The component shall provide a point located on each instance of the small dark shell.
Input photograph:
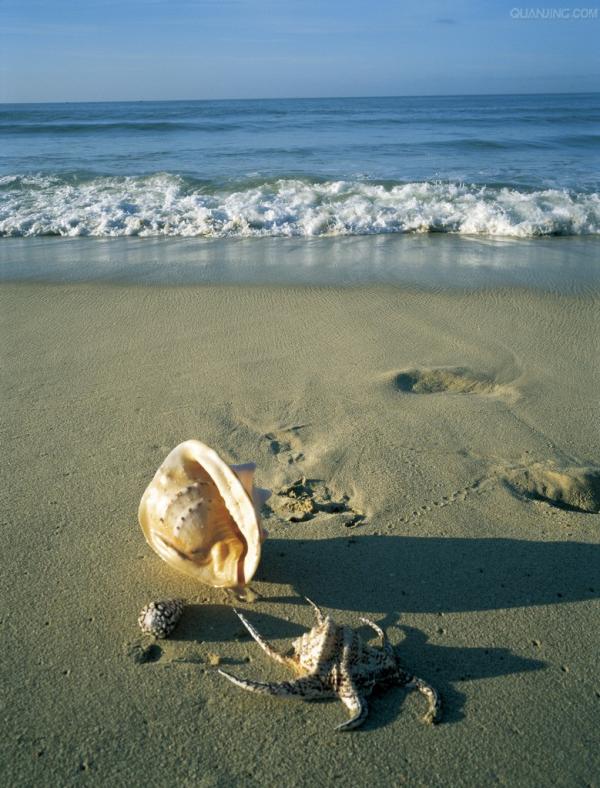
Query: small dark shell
(160, 618)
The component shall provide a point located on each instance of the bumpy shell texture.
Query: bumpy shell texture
(202, 516)
(161, 617)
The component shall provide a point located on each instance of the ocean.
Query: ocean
(488, 167)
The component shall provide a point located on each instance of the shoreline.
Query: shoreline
(432, 261)
(418, 404)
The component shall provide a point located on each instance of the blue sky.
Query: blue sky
(77, 50)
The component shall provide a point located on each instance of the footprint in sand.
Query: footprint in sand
(569, 487)
(450, 380)
(575, 488)
(286, 445)
(307, 498)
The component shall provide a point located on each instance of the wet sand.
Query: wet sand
(459, 428)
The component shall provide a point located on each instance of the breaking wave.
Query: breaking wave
(173, 205)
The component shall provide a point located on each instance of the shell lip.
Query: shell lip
(238, 502)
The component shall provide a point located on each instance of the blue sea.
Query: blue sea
(488, 167)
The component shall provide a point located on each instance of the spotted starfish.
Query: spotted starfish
(333, 660)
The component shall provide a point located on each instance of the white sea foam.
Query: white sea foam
(168, 205)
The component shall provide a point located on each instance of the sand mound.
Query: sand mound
(574, 488)
(452, 380)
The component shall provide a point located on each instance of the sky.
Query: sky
(110, 50)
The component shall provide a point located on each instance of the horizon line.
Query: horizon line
(305, 98)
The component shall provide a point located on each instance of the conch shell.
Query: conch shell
(202, 516)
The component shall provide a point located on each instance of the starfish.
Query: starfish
(333, 660)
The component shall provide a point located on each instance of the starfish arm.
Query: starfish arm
(357, 706)
(385, 643)
(318, 612)
(306, 688)
(435, 703)
(346, 688)
(264, 644)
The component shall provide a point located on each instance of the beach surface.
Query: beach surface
(459, 429)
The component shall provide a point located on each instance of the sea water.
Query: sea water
(489, 167)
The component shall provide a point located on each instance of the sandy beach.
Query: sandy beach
(459, 427)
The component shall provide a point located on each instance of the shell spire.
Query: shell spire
(202, 516)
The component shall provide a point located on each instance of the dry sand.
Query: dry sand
(462, 426)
